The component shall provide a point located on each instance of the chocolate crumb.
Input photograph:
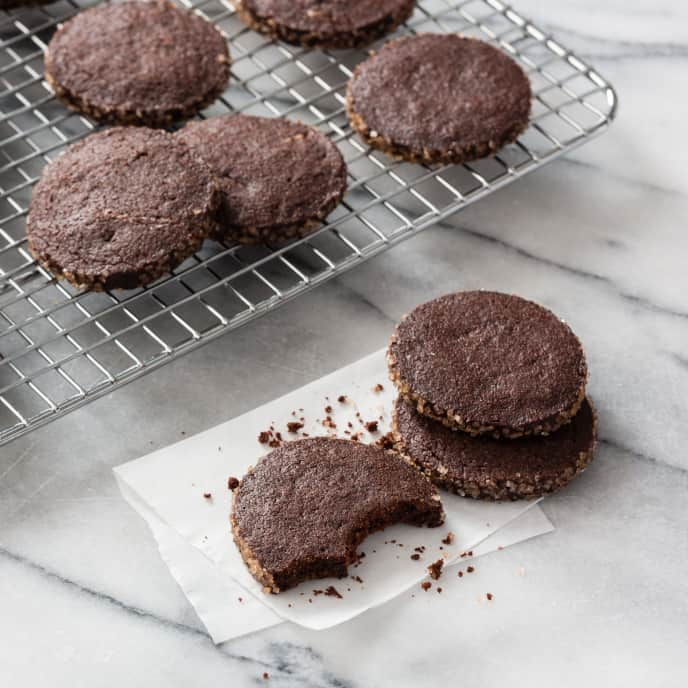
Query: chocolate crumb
(232, 483)
(207, 495)
(386, 441)
(264, 437)
(415, 557)
(426, 585)
(420, 549)
(439, 589)
(435, 569)
(378, 388)
(328, 409)
(294, 426)
(460, 574)
(449, 539)
(489, 595)
(329, 423)
(350, 424)
(305, 434)
(358, 579)
(356, 437)
(371, 426)
(266, 676)
(341, 398)
(469, 569)
(331, 591)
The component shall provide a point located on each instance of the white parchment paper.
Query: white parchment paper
(172, 482)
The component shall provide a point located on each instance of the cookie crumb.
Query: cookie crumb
(329, 423)
(341, 398)
(328, 409)
(386, 441)
(469, 569)
(439, 590)
(294, 426)
(449, 539)
(489, 595)
(378, 388)
(264, 437)
(415, 557)
(232, 483)
(358, 579)
(426, 585)
(371, 426)
(207, 495)
(460, 574)
(435, 569)
(266, 676)
(331, 591)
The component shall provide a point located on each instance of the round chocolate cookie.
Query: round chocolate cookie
(120, 208)
(137, 63)
(279, 179)
(486, 468)
(486, 362)
(438, 98)
(304, 509)
(325, 23)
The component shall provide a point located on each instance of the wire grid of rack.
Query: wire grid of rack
(61, 347)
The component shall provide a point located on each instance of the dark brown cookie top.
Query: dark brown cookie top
(274, 173)
(326, 19)
(119, 204)
(146, 59)
(456, 457)
(441, 94)
(314, 500)
(489, 361)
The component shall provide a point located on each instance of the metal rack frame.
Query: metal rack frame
(62, 348)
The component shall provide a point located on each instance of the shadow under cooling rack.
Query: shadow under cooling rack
(61, 347)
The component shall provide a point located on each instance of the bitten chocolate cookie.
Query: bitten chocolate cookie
(137, 63)
(120, 208)
(279, 179)
(438, 98)
(325, 23)
(485, 362)
(304, 509)
(486, 468)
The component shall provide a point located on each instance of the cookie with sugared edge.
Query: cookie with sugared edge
(302, 511)
(438, 98)
(489, 363)
(120, 208)
(279, 179)
(137, 62)
(487, 468)
(324, 23)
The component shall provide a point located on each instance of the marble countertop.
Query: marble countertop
(600, 237)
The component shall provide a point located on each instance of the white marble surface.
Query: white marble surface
(601, 238)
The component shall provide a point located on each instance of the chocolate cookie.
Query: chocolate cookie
(279, 179)
(438, 98)
(486, 468)
(486, 362)
(120, 208)
(325, 23)
(304, 509)
(137, 63)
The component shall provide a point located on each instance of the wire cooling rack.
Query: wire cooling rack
(61, 347)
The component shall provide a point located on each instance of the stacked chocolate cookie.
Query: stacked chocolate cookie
(491, 396)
